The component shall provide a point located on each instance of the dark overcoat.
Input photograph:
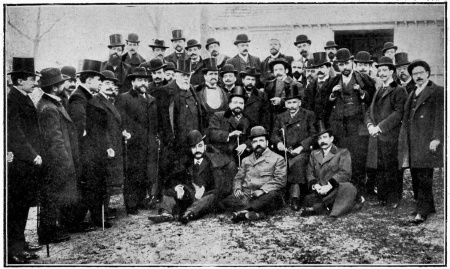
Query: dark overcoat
(316, 99)
(173, 57)
(133, 62)
(121, 73)
(200, 90)
(197, 76)
(257, 108)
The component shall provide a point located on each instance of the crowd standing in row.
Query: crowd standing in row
(191, 136)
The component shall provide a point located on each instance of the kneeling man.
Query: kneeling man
(259, 183)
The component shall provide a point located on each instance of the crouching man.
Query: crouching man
(194, 191)
(328, 173)
(259, 183)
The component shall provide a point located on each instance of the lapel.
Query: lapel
(109, 105)
(63, 112)
(253, 98)
(330, 155)
(288, 80)
(58, 105)
(298, 117)
(17, 96)
(427, 92)
(203, 166)
(231, 120)
(387, 91)
(265, 155)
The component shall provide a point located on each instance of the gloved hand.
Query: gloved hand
(180, 191)
(199, 191)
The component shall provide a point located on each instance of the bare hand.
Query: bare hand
(336, 88)
(37, 160)
(199, 191)
(238, 194)
(275, 101)
(111, 153)
(9, 157)
(126, 134)
(180, 191)
(434, 144)
(280, 146)
(257, 193)
(297, 151)
(235, 133)
(240, 149)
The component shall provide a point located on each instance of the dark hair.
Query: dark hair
(85, 76)
(48, 89)
(231, 97)
(17, 76)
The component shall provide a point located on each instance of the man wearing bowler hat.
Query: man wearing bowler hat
(348, 96)
(178, 43)
(275, 54)
(70, 84)
(363, 64)
(310, 71)
(293, 137)
(156, 68)
(195, 61)
(213, 47)
(194, 190)
(158, 49)
(303, 44)
(115, 63)
(383, 120)
(228, 77)
(61, 165)
(243, 59)
(404, 78)
(169, 73)
(228, 130)
(331, 49)
(389, 50)
(259, 184)
(24, 141)
(132, 57)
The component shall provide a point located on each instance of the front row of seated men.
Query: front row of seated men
(209, 183)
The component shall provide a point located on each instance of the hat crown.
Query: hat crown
(108, 75)
(139, 72)
(25, 65)
(159, 42)
(210, 64)
(69, 71)
(115, 40)
(50, 76)
(279, 61)
(228, 68)
(177, 34)
(302, 39)
(194, 137)
(293, 91)
(156, 63)
(401, 58)
(330, 44)
(183, 66)
(170, 66)
(258, 131)
(237, 91)
(343, 55)
(310, 64)
(385, 61)
(132, 37)
(320, 58)
(90, 65)
(242, 37)
(363, 56)
(191, 42)
(322, 129)
(388, 45)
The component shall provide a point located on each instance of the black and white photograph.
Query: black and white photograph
(225, 134)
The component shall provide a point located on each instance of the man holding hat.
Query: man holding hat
(169, 73)
(259, 184)
(70, 84)
(303, 44)
(421, 137)
(293, 137)
(24, 141)
(213, 47)
(331, 49)
(194, 190)
(115, 63)
(195, 61)
(383, 120)
(61, 166)
(132, 57)
(178, 43)
(243, 59)
(156, 68)
(274, 45)
(328, 173)
(138, 112)
(404, 78)
(228, 77)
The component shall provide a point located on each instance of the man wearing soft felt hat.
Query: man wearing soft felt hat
(195, 61)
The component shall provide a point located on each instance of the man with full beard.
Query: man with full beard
(132, 57)
(298, 72)
(331, 49)
(140, 124)
(266, 73)
(70, 83)
(303, 44)
(404, 78)
(115, 64)
(156, 68)
(178, 43)
(213, 47)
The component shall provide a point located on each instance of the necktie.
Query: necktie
(196, 167)
(321, 83)
(382, 90)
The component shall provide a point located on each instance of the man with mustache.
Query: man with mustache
(243, 59)
(298, 72)
(169, 73)
(194, 190)
(70, 84)
(303, 44)
(297, 124)
(132, 57)
(115, 63)
(156, 68)
(274, 45)
(389, 50)
(331, 49)
(328, 173)
(421, 137)
(348, 96)
(195, 61)
(229, 127)
(213, 47)
(404, 78)
(140, 124)
(158, 49)
(383, 120)
(178, 43)
(228, 77)
(258, 186)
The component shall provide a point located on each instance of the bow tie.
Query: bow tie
(198, 162)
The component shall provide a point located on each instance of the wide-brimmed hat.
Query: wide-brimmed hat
(210, 64)
(363, 57)
(69, 71)
(330, 44)
(310, 64)
(228, 68)
(293, 91)
(183, 66)
(388, 46)
(249, 71)
(194, 137)
(279, 61)
(156, 64)
(115, 40)
(158, 43)
(343, 55)
(138, 72)
(302, 39)
(109, 75)
(51, 76)
(401, 58)
(385, 61)
(91, 66)
(170, 66)
(210, 41)
(132, 37)
(320, 58)
(177, 35)
(238, 91)
(416, 63)
(23, 66)
(193, 43)
(258, 131)
(242, 38)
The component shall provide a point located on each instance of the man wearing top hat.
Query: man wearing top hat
(70, 83)
(348, 96)
(169, 72)
(61, 159)
(114, 162)
(275, 54)
(204, 178)
(389, 50)
(243, 59)
(156, 68)
(195, 61)
(383, 120)
(404, 78)
(298, 72)
(213, 47)
(115, 63)
(138, 112)
(158, 49)
(259, 183)
(132, 57)
(421, 137)
(293, 137)
(228, 77)
(331, 49)
(303, 44)
(24, 141)
(329, 172)
(178, 43)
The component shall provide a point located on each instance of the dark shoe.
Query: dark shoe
(238, 216)
(419, 220)
(132, 211)
(112, 210)
(30, 256)
(151, 202)
(106, 224)
(308, 211)
(30, 247)
(252, 216)
(15, 259)
(58, 237)
(295, 204)
(111, 216)
(187, 216)
(165, 217)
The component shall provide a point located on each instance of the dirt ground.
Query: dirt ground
(372, 235)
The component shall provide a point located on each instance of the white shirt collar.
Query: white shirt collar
(57, 98)
(323, 80)
(245, 58)
(406, 82)
(199, 161)
(274, 57)
(386, 84)
(104, 95)
(293, 115)
(420, 88)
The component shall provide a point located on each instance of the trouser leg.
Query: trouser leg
(203, 206)
(425, 199)
(267, 202)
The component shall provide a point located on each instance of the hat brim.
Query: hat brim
(344, 60)
(407, 63)
(235, 72)
(195, 143)
(183, 72)
(415, 64)
(92, 72)
(334, 46)
(215, 42)
(241, 41)
(155, 46)
(131, 76)
(58, 80)
(393, 47)
(243, 74)
(238, 95)
(320, 64)
(306, 41)
(23, 72)
(118, 45)
(133, 41)
(161, 67)
(115, 80)
(196, 45)
(293, 97)
(384, 64)
(363, 61)
(273, 63)
(176, 39)
(328, 130)
(205, 70)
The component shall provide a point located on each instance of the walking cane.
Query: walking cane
(103, 216)
(284, 142)
(239, 156)
(321, 199)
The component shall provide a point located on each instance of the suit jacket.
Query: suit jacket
(197, 76)
(316, 100)
(174, 58)
(256, 108)
(253, 61)
(122, 71)
(420, 126)
(133, 62)
(266, 74)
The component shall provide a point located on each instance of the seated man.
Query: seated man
(328, 173)
(205, 179)
(259, 183)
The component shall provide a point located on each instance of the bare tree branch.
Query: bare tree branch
(49, 29)
(19, 31)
